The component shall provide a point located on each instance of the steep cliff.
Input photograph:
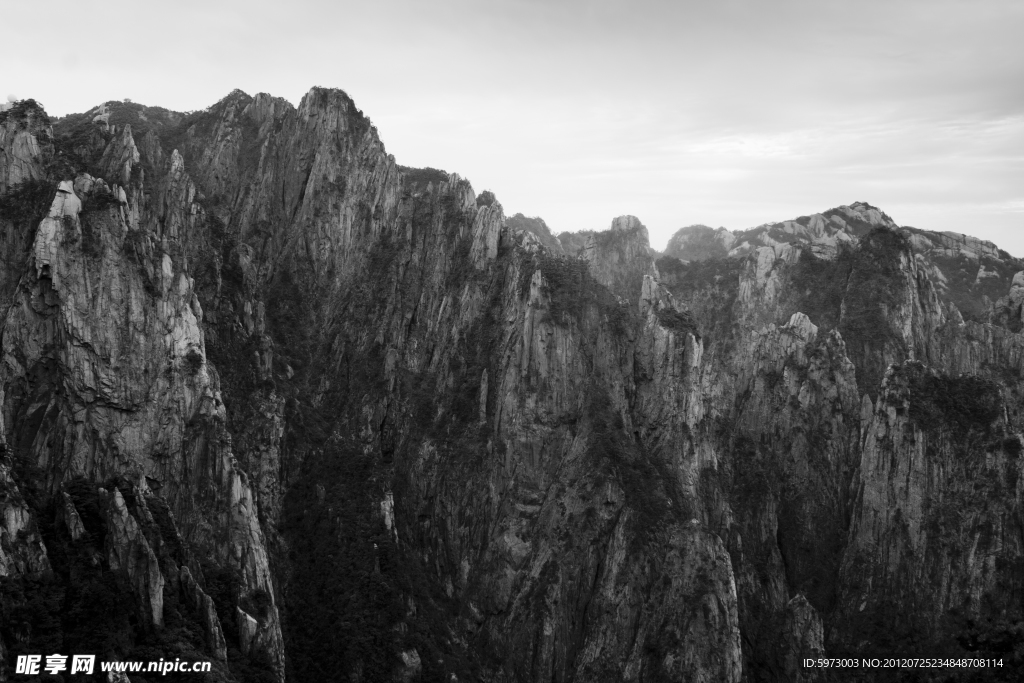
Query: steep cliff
(889, 451)
(110, 408)
(312, 415)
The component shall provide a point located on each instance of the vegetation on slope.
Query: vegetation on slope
(572, 290)
(942, 402)
(27, 204)
(23, 112)
(857, 293)
(708, 289)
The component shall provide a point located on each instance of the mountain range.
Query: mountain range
(271, 400)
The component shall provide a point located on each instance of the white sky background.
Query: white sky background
(717, 112)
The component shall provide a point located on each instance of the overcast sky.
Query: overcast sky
(722, 113)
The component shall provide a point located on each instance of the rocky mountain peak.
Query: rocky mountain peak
(631, 226)
(538, 228)
(620, 257)
(334, 104)
(265, 107)
(700, 242)
(627, 223)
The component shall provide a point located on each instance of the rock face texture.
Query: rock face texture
(310, 415)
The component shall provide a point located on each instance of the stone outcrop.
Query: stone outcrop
(70, 518)
(804, 638)
(25, 192)
(204, 604)
(128, 551)
(21, 549)
(21, 128)
(620, 257)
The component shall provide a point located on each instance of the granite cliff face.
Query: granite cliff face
(312, 415)
(883, 433)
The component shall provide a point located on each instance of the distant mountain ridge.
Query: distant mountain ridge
(973, 274)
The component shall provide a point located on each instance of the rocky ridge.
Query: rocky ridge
(971, 274)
